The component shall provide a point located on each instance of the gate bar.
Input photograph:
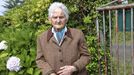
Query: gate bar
(117, 42)
(124, 40)
(98, 39)
(105, 52)
(132, 39)
(116, 7)
(110, 36)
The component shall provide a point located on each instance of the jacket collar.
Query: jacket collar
(50, 34)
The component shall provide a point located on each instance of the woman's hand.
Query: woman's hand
(53, 74)
(66, 70)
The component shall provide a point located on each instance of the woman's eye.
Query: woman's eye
(54, 17)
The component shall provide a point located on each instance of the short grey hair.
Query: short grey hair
(55, 5)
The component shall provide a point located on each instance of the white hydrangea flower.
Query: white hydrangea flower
(3, 45)
(13, 64)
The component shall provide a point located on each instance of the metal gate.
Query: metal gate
(115, 32)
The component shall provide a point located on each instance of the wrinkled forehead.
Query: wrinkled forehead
(58, 11)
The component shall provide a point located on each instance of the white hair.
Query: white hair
(55, 5)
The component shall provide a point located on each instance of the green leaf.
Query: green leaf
(21, 72)
(30, 71)
(87, 19)
(37, 72)
(12, 73)
(28, 61)
(3, 55)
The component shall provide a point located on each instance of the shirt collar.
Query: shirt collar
(64, 29)
(51, 31)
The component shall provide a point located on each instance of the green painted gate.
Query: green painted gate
(115, 32)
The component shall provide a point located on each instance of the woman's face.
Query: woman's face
(58, 19)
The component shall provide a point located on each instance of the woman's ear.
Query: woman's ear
(66, 20)
(49, 19)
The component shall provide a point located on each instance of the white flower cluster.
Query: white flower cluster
(3, 45)
(13, 64)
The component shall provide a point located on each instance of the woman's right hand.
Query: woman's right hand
(53, 74)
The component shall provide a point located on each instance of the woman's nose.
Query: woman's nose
(58, 20)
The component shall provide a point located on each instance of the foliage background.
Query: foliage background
(21, 25)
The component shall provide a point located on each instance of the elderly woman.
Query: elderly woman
(61, 50)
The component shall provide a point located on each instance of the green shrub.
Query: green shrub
(21, 25)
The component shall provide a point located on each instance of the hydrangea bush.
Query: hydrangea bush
(19, 27)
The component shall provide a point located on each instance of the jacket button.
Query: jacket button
(61, 60)
(59, 50)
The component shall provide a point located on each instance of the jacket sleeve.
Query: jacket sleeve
(40, 60)
(84, 54)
